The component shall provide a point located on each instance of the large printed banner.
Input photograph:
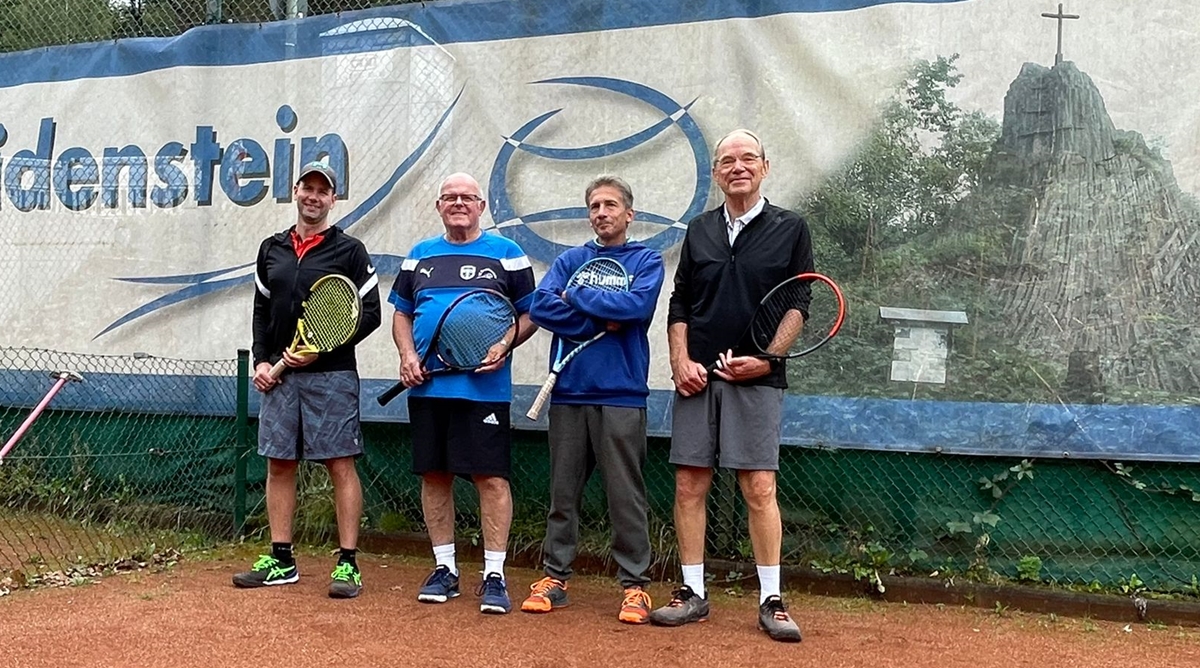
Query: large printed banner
(998, 165)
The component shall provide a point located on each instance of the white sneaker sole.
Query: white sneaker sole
(434, 598)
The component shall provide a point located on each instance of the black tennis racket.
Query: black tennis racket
(796, 318)
(330, 319)
(473, 323)
(599, 273)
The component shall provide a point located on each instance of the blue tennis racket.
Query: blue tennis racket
(600, 273)
(470, 326)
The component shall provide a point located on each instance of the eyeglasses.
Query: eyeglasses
(466, 199)
(729, 161)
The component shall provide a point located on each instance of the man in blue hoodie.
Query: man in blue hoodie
(598, 407)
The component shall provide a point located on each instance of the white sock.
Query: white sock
(693, 576)
(444, 555)
(768, 582)
(493, 562)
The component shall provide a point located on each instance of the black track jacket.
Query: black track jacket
(282, 283)
(718, 287)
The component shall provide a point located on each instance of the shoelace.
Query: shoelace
(636, 598)
(778, 609)
(490, 587)
(265, 561)
(440, 576)
(680, 596)
(543, 586)
(343, 572)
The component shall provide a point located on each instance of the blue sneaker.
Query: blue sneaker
(493, 595)
(441, 586)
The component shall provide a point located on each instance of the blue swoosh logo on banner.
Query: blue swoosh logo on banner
(199, 285)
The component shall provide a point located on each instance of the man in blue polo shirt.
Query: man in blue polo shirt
(460, 421)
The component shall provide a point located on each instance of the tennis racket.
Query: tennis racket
(599, 273)
(797, 317)
(61, 378)
(473, 323)
(330, 318)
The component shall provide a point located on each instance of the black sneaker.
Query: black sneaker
(773, 618)
(267, 572)
(684, 607)
(439, 587)
(347, 581)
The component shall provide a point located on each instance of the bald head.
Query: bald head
(743, 133)
(458, 181)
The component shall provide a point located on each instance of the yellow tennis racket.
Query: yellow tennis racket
(330, 318)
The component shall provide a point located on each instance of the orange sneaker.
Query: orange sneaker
(635, 609)
(545, 595)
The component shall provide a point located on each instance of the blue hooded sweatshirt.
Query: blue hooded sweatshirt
(612, 371)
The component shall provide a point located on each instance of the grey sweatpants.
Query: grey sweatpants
(613, 439)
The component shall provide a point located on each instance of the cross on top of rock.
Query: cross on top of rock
(1060, 17)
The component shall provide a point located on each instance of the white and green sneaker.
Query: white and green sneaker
(347, 581)
(267, 572)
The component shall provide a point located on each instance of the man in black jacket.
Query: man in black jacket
(731, 258)
(311, 411)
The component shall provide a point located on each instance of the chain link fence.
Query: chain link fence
(147, 454)
(135, 460)
(32, 24)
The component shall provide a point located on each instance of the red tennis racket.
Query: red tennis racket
(796, 318)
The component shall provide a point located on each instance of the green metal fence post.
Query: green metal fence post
(242, 449)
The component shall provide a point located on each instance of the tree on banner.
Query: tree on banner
(905, 224)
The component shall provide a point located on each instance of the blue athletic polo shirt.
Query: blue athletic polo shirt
(434, 273)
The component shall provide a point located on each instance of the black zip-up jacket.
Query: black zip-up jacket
(717, 287)
(282, 283)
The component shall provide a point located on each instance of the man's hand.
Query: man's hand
(411, 373)
(263, 382)
(494, 360)
(690, 377)
(740, 368)
(297, 361)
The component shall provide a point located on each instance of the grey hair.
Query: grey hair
(762, 151)
(611, 181)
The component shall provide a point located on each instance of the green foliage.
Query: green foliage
(926, 215)
(909, 223)
(1133, 585)
(1160, 486)
(1029, 569)
(866, 558)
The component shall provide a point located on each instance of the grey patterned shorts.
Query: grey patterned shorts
(311, 416)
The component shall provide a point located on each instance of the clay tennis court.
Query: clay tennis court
(192, 616)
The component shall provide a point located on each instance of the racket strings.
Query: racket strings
(601, 274)
(471, 328)
(781, 322)
(331, 314)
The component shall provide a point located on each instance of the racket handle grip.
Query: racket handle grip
(542, 397)
(392, 392)
(277, 370)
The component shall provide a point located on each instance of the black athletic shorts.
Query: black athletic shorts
(460, 436)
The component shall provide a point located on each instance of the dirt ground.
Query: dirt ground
(191, 615)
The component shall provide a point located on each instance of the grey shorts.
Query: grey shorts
(732, 426)
(311, 416)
